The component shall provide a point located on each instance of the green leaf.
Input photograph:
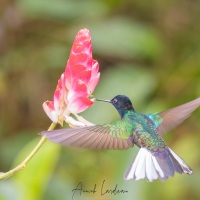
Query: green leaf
(33, 179)
(123, 38)
(62, 10)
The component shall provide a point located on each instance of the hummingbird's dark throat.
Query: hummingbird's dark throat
(128, 107)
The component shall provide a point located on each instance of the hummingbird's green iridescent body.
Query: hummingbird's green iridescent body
(154, 160)
(145, 133)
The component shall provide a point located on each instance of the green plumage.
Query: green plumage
(140, 126)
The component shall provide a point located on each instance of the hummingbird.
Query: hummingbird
(155, 160)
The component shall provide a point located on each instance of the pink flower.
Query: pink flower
(77, 83)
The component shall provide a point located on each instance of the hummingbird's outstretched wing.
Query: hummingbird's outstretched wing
(93, 137)
(169, 119)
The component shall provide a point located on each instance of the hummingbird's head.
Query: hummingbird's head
(121, 103)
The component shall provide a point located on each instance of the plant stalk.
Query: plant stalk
(4, 175)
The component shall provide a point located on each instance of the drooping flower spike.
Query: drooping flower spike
(76, 84)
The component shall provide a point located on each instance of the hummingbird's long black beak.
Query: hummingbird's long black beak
(104, 100)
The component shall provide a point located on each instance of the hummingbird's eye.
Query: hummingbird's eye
(114, 100)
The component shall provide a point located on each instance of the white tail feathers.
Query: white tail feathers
(160, 165)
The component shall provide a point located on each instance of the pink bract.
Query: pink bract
(77, 83)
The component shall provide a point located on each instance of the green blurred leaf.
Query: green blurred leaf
(62, 10)
(33, 179)
(55, 56)
(9, 190)
(124, 38)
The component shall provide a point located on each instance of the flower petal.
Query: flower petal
(78, 72)
(95, 68)
(83, 38)
(93, 83)
(81, 52)
(79, 104)
(49, 109)
(67, 77)
(80, 58)
(59, 94)
(78, 89)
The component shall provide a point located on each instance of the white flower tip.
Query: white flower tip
(93, 99)
(48, 107)
(84, 121)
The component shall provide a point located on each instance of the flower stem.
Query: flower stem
(4, 175)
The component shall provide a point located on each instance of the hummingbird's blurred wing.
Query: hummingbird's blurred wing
(169, 119)
(93, 137)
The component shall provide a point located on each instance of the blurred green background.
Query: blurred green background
(147, 50)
